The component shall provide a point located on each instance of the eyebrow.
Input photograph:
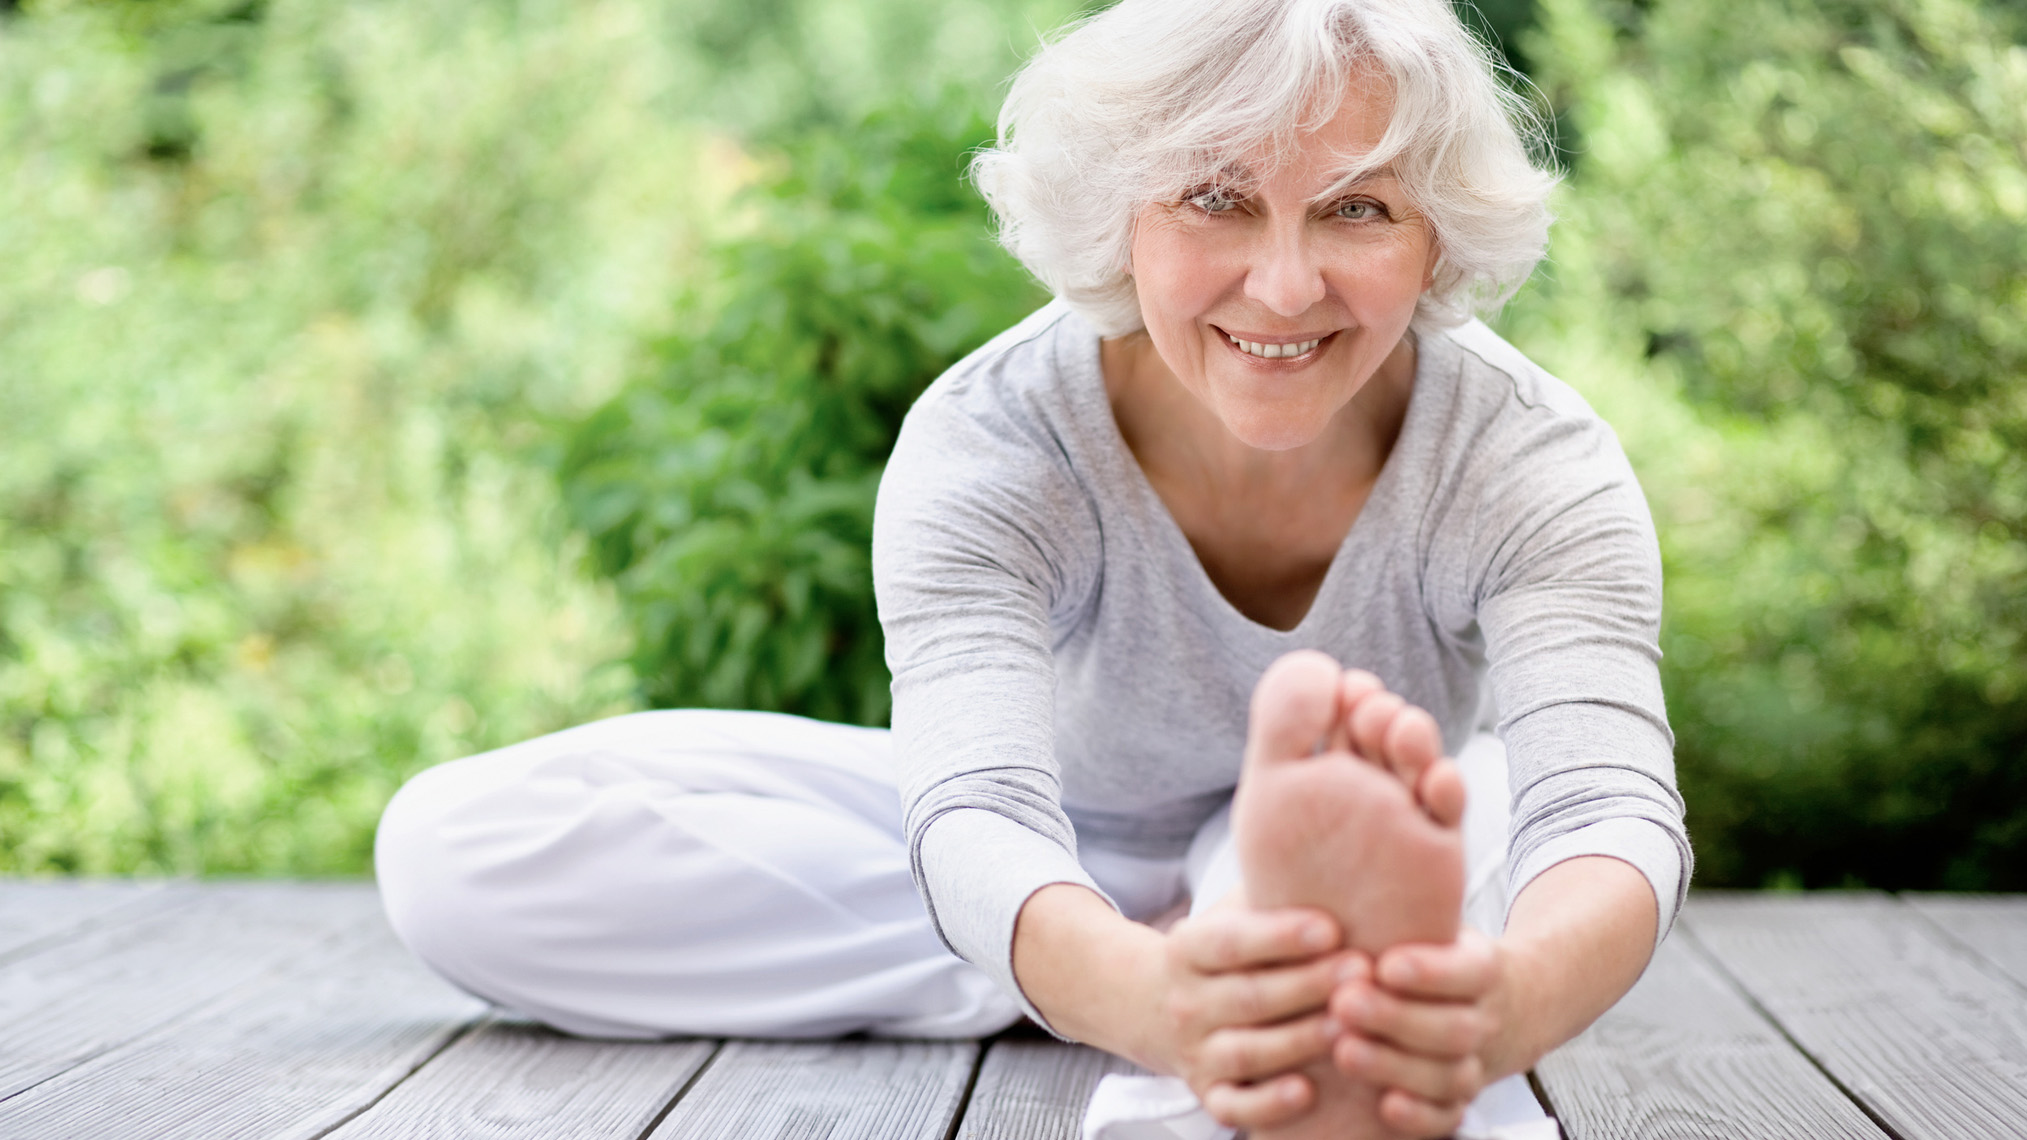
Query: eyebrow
(1347, 181)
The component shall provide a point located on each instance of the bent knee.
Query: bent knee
(423, 878)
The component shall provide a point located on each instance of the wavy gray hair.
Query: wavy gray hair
(1150, 98)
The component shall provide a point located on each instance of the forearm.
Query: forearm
(1094, 973)
(1576, 940)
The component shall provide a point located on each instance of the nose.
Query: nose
(1284, 275)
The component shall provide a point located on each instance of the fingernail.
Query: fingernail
(1358, 1006)
(1315, 936)
(1352, 970)
(1354, 1053)
(1290, 1092)
(1332, 1029)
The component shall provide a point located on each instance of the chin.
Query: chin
(1274, 429)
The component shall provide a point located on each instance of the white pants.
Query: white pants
(736, 874)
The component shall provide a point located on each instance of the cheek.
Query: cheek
(1384, 278)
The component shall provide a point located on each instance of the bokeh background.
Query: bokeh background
(386, 380)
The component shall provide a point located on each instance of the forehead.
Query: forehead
(1337, 142)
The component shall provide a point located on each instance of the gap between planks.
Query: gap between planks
(1931, 1038)
(1684, 1055)
(88, 995)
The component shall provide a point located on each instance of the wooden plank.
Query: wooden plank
(34, 912)
(1995, 926)
(291, 1057)
(829, 1090)
(77, 999)
(1035, 1090)
(1685, 1055)
(514, 1081)
(1930, 1038)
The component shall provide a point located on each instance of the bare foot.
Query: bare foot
(1369, 836)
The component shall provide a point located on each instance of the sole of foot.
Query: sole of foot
(1370, 837)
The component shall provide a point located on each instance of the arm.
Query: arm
(982, 544)
(1549, 552)
(1443, 1021)
(1577, 939)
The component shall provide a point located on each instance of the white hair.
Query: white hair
(1150, 98)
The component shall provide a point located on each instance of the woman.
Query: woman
(1257, 423)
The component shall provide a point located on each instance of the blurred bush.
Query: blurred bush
(291, 294)
(1793, 269)
(307, 304)
(729, 491)
(297, 296)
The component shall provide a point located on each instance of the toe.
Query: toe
(1294, 706)
(1371, 720)
(1442, 793)
(1411, 744)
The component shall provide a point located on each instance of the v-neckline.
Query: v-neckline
(1380, 500)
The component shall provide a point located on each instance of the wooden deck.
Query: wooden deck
(212, 1011)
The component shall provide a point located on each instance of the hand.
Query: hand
(1422, 1029)
(1243, 1008)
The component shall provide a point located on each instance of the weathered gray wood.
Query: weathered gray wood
(1993, 925)
(1035, 1090)
(830, 1090)
(35, 912)
(72, 1001)
(511, 1081)
(1930, 1038)
(293, 1056)
(1685, 1055)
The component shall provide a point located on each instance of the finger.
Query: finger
(1254, 1053)
(1370, 722)
(1429, 1028)
(1265, 996)
(1261, 1105)
(1242, 938)
(1441, 793)
(1436, 1079)
(1463, 970)
(1412, 1116)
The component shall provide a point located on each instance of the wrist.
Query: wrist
(1093, 973)
(1577, 938)
(1515, 1044)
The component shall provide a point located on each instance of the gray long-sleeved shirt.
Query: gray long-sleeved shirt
(1066, 673)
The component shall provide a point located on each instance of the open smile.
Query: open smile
(1276, 348)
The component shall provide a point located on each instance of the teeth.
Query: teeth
(1273, 351)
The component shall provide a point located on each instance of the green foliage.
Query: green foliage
(1804, 224)
(305, 303)
(288, 304)
(298, 294)
(729, 492)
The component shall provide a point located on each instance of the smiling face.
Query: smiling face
(1274, 298)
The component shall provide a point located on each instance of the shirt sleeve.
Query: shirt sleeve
(979, 536)
(1566, 582)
